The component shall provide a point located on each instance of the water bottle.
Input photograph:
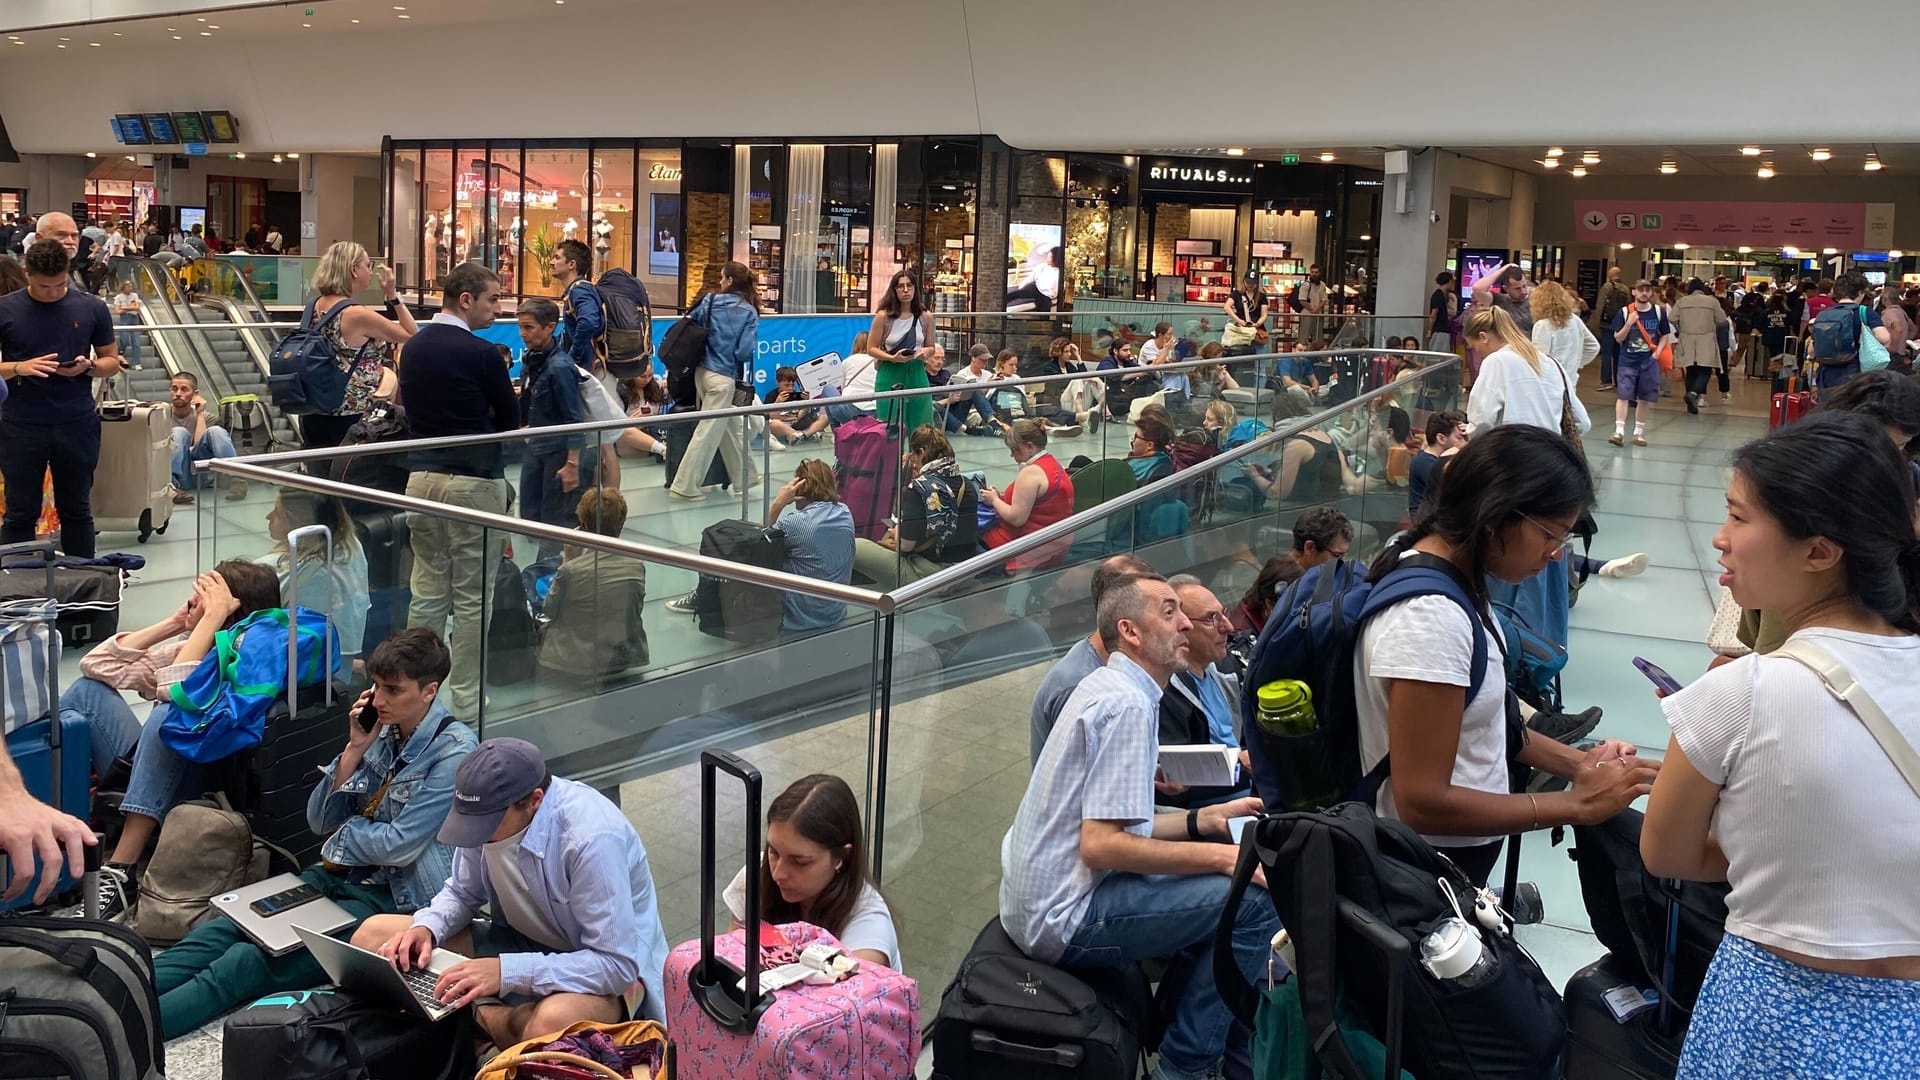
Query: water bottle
(1454, 953)
(1285, 707)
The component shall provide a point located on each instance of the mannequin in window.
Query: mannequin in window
(431, 256)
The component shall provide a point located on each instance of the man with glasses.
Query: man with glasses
(1636, 330)
(1201, 700)
(455, 383)
(1321, 535)
(54, 341)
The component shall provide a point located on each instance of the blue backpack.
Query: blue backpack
(302, 375)
(1313, 635)
(1245, 432)
(221, 709)
(1836, 336)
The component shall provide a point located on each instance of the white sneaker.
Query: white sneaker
(1726, 399)
(1626, 567)
(775, 444)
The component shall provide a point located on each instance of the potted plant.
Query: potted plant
(541, 247)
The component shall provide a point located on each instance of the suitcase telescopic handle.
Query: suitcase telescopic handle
(294, 540)
(713, 982)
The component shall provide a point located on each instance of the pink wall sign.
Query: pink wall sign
(1727, 224)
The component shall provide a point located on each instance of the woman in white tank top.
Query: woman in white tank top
(1777, 786)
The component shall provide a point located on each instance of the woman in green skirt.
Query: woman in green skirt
(899, 341)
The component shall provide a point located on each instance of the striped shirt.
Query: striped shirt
(1098, 765)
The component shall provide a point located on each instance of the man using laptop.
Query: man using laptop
(576, 924)
(380, 805)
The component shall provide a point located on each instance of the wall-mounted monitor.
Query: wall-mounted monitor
(190, 127)
(221, 127)
(132, 129)
(114, 122)
(160, 129)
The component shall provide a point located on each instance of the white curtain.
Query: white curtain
(806, 165)
(742, 199)
(886, 198)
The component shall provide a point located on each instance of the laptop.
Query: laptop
(375, 976)
(276, 933)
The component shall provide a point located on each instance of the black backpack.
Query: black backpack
(512, 636)
(627, 343)
(682, 350)
(1357, 893)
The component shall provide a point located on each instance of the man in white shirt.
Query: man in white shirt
(958, 406)
(1093, 876)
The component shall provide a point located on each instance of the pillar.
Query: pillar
(326, 201)
(1413, 233)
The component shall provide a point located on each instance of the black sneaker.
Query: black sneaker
(116, 893)
(1565, 727)
(1525, 906)
(684, 605)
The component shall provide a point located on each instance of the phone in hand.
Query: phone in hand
(1657, 675)
(368, 717)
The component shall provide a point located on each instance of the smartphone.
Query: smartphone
(368, 718)
(285, 901)
(1657, 675)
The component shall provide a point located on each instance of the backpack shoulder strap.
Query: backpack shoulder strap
(332, 315)
(1421, 574)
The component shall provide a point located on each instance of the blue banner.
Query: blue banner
(785, 340)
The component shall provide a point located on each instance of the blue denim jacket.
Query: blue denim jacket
(583, 322)
(399, 842)
(585, 864)
(552, 396)
(733, 333)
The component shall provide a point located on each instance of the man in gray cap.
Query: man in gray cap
(576, 926)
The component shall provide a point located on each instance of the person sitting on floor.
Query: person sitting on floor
(379, 804)
(796, 424)
(939, 517)
(1093, 876)
(820, 537)
(150, 662)
(1250, 616)
(575, 933)
(1087, 655)
(814, 871)
(331, 583)
(1148, 454)
(196, 439)
(594, 607)
(1201, 704)
(1040, 495)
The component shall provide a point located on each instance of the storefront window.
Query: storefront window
(1035, 281)
(708, 225)
(556, 207)
(1100, 217)
(235, 204)
(612, 228)
(831, 217)
(404, 186)
(436, 244)
(659, 218)
(508, 225)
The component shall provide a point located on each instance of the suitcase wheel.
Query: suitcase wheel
(146, 525)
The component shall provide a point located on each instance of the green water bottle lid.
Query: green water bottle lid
(1284, 694)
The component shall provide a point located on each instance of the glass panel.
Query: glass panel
(1100, 215)
(843, 246)
(659, 211)
(438, 225)
(946, 235)
(613, 210)
(708, 238)
(509, 220)
(556, 207)
(406, 236)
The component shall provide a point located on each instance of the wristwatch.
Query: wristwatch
(1193, 824)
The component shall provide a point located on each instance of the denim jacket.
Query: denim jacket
(551, 396)
(733, 333)
(584, 322)
(400, 842)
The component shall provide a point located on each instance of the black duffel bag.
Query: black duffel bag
(331, 1034)
(1633, 913)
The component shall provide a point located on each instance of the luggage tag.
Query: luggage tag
(1626, 1001)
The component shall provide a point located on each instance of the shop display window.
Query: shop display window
(610, 229)
(556, 205)
(708, 221)
(235, 204)
(507, 224)
(437, 226)
(1035, 232)
(1100, 223)
(829, 244)
(404, 188)
(659, 215)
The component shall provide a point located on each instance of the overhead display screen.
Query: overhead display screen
(132, 129)
(190, 127)
(160, 129)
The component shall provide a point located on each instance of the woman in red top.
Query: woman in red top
(1041, 494)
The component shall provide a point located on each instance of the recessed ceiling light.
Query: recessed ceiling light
(59, 46)
(117, 33)
(1829, 251)
(176, 37)
(293, 155)
(276, 159)
(1236, 151)
(355, 22)
(93, 44)
(66, 39)
(403, 16)
(1872, 164)
(92, 154)
(1366, 236)
(1579, 171)
(19, 42)
(206, 33)
(200, 20)
(1550, 163)
(1750, 151)
(1328, 156)
(170, 29)
(306, 26)
(211, 26)
(399, 7)
(1554, 151)
(1626, 246)
(1589, 158)
(1668, 168)
(1821, 153)
(1745, 250)
(1680, 247)
(1765, 172)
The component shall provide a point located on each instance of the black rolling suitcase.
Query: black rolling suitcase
(383, 536)
(1008, 1017)
(270, 783)
(737, 611)
(677, 437)
(1612, 1034)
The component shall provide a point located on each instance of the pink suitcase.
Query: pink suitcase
(866, 1027)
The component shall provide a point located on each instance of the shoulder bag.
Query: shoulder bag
(1840, 683)
(1873, 355)
(1569, 427)
(1662, 349)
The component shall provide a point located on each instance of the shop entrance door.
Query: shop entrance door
(1193, 242)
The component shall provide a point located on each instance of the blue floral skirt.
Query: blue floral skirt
(1761, 1016)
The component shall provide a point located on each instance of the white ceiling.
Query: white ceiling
(199, 34)
(1787, 159)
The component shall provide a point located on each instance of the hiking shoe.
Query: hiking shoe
(1565, 727)
(682, 606)
(183, 498)
(116, 892)
(1619, 438)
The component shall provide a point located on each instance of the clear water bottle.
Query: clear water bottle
(1454, 953)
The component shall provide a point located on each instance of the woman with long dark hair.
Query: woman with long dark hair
(899, 341)
(1503, 510)
(1779, 786)
(814, 871)
(731, 315)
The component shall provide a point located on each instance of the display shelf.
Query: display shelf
(1209, 279)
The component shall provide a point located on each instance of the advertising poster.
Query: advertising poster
(663, 246)
(1033, 266)
(1476, 263)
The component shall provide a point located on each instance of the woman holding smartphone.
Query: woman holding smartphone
(899, 341)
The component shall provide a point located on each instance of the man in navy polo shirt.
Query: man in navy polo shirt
(54, 341)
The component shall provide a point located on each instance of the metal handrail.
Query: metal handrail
(1013, 549)
(703, 564)
(594, 426)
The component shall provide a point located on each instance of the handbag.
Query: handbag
(1723, 634)
(1662, 349)
(586, 1050)
(1840, 683)
(1569, 427)
(1873, 355)
(1236, 335)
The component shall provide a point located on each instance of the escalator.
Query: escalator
(226, 297)
(164, 353)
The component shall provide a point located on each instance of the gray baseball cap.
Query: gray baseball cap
(499, 773)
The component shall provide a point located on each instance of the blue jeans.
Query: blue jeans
(216, 443)
(110, 719)
(130, 343)
(953, 415)
(160, 775)
(1135, 916)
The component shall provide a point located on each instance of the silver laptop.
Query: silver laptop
(375, 976)
(271, 911)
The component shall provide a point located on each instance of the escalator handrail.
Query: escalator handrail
(167, 292)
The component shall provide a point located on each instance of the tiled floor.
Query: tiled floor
(958, 758)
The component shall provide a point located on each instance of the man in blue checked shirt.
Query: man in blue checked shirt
(576, 925)
(1093, 876)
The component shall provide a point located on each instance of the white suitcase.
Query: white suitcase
(133, 484)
